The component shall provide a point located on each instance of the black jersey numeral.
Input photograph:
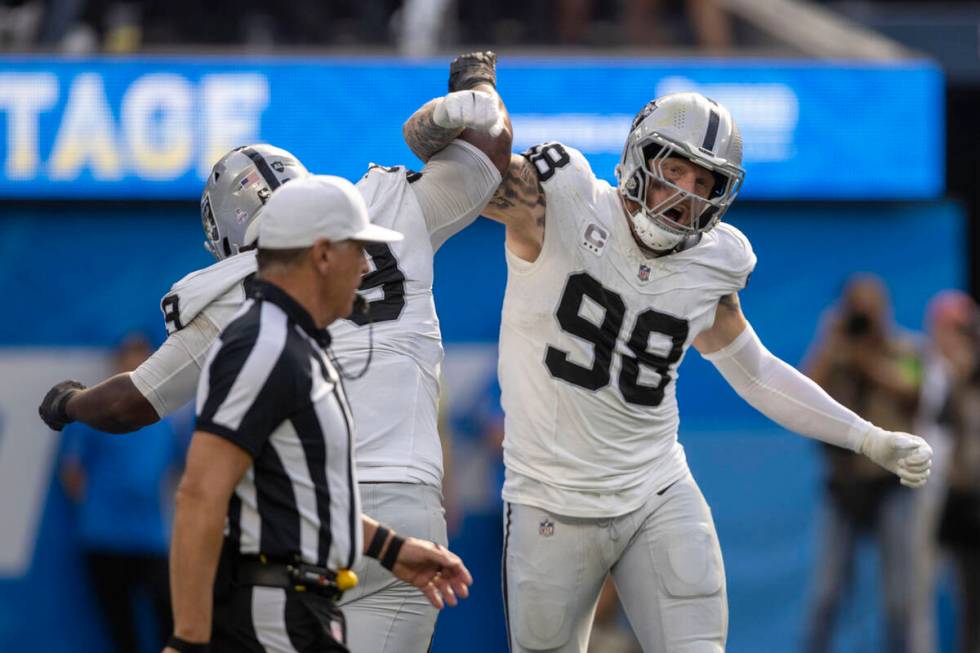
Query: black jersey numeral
(547, 159)
(603, 339)
(170, 305)
(389, 277)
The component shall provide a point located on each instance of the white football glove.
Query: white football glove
(904, 454)
(469, 110)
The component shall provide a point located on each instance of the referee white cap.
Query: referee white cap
(305, 210)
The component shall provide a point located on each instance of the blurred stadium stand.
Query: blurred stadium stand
(861, 155)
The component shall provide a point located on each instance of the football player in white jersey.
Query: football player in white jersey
(607, 288)
(393, 334)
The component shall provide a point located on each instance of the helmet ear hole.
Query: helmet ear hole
(226, 246)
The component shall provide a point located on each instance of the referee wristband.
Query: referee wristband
(184, 646)
(377, 542)
(391, 555)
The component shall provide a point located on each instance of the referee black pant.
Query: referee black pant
(258, 619)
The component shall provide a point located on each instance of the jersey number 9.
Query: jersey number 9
(390, 279)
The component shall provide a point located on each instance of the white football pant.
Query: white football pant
(384, 614)
(664, 559)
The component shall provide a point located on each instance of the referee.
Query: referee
(269, 487)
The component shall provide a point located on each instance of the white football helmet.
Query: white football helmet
(693, 127)
(237, 189)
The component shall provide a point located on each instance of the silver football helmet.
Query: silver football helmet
(692, 127)
(237, 189)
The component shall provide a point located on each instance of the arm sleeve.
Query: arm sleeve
(455, 185)
(786, 396)
(168, 378)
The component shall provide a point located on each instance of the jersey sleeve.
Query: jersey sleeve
(168, 378)
(739, 257)
(245, 392)
(561, 168)
(453, 188)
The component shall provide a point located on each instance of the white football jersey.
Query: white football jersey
(592, 334)
(216, 291)
(395, 403)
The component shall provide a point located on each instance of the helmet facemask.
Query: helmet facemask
(680, 214)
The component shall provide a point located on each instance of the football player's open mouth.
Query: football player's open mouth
(675, 214)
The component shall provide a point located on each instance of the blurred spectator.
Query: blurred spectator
(643, 22)
(119, 483)
(866, 365)
(20, 22)
(950, 414)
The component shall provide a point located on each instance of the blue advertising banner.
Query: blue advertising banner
(150, 128)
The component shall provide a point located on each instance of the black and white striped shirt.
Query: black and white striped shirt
(268, 387)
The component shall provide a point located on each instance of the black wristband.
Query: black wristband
(391, 555)
(377, 542)
(184, 646)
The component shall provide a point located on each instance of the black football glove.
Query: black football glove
(52, 408)
(468, 70)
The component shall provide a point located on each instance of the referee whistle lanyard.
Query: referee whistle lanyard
(360, 304)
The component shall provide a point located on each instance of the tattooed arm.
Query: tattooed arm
(476, 115)
(473, 112)
(519, 203)
(729, 324)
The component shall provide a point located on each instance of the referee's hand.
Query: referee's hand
(435, 570)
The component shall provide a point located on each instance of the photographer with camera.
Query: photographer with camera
(947, 516)
(863, 362)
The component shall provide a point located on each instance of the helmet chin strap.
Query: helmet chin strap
(686, 242)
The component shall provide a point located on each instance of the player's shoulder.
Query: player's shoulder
(196, 291)
(379, 178)
(559, 164)
(727, 253)
(734, 244)
(383, 188)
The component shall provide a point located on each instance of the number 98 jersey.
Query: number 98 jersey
(592, 334)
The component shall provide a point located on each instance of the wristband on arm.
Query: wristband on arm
(391, 555)
(377, 542)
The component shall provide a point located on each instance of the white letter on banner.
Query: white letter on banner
(158, 126)
(233, 106)
(23, 96)
(87, 134)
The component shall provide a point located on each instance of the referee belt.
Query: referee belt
(297, 575)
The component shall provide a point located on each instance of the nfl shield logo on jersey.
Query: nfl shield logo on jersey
(546, 528)
(644, 272)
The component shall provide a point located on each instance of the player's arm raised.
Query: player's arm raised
(519, 203)
(472, 112)
(793, 401)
